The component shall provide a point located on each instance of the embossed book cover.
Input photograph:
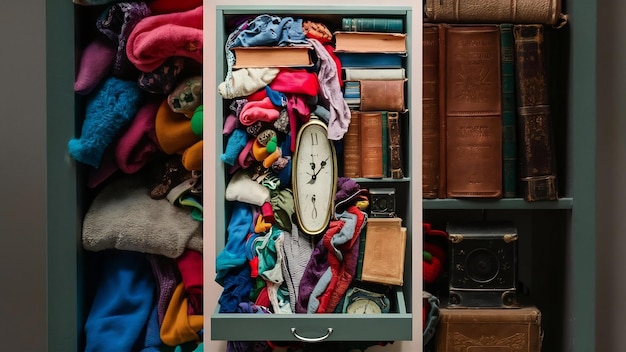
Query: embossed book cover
(510, 330)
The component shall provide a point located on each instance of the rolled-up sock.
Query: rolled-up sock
(236, 142)
(96, 62)
(110, 108)
(156, 38)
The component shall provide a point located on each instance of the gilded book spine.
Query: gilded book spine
(395, 143)
(494, 11)
(537, 164)
(352, 147)
(473, 112)
(371, 144)
(509, 140)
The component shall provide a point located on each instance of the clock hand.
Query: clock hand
(312, 163)
(322, 164)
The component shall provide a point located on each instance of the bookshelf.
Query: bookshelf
(563, 232)
(557, 238)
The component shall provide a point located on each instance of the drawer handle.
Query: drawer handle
(311, 339)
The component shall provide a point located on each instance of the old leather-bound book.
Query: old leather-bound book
(536, 146)
(352, 147)
(494, 11)
(492, 329)
(473, 115)
(395, 144)
(382, 95)
(383, 256)
(371, 133)
(430, 111)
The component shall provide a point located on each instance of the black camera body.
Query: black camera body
(483, 265)
(382, 202)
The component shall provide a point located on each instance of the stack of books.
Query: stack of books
(486, 113)
(372, 52)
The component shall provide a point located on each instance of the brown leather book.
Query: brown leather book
(383, 256)
(371, 133)
(536, 146)
(352, 147)
(382, 95)
(494, 11)
(494, 329)
(473, 112)
(443, 192)
(395, 144)
(430, 111)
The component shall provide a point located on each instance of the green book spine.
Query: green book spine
(388, 25)
(509, 140)
(385, 146)
(359, 263)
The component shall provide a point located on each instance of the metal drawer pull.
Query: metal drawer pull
(312, 339)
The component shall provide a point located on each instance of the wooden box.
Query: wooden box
(489, 330)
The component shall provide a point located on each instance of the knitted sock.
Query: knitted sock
(110, 109)
(156, 38)
(96, 62)
(235, 144)
(192, 157)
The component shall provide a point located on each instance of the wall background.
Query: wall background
(23, 172)
(23, 176)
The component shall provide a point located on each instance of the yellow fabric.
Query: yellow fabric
(179, 327)
(173, 130)
(192, 157)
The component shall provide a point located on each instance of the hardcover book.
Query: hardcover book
(385, 142)
(383, 256)
(371, 127)
(494, 11)
(370, 60)
(355, 74)
(430, 111)
(473, 112)
(537, 164)
(509, 140)
(395, 144)
(489, 329)
(352, 147)
(378, 95)
(371, 24)
(272, 56)
(370, 42)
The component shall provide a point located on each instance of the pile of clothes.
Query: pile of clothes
(140, 116)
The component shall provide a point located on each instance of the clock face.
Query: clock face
(314, 177)
(363, 306)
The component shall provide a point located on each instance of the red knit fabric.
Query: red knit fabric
(168, 6)
(342, 270)
(190, 267)
(296, 81)
(333, 228)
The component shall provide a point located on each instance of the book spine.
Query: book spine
(377, 95)
(391, 25)
(430, 112)
(473, 112)
(369, 60)
(355, 74)
(385, 136)
(443, 193)
(371, 144)
(535, 140)
(395, 151)
(509, 142)
(352, 147)
(359, 263)
(494, 11)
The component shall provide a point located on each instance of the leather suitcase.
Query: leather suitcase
(489, 330)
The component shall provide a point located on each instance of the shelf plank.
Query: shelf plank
(498, 204)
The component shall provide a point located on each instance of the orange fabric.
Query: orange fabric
(178, 327)
(173, 130)
(192, 157)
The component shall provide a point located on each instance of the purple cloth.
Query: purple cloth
(166, 274)
(316, 267)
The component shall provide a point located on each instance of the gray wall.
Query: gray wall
(22, 176)
(611, 190)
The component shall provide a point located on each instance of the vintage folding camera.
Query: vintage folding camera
(382, 202)
(483, 265)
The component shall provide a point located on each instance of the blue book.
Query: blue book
(370, 60)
